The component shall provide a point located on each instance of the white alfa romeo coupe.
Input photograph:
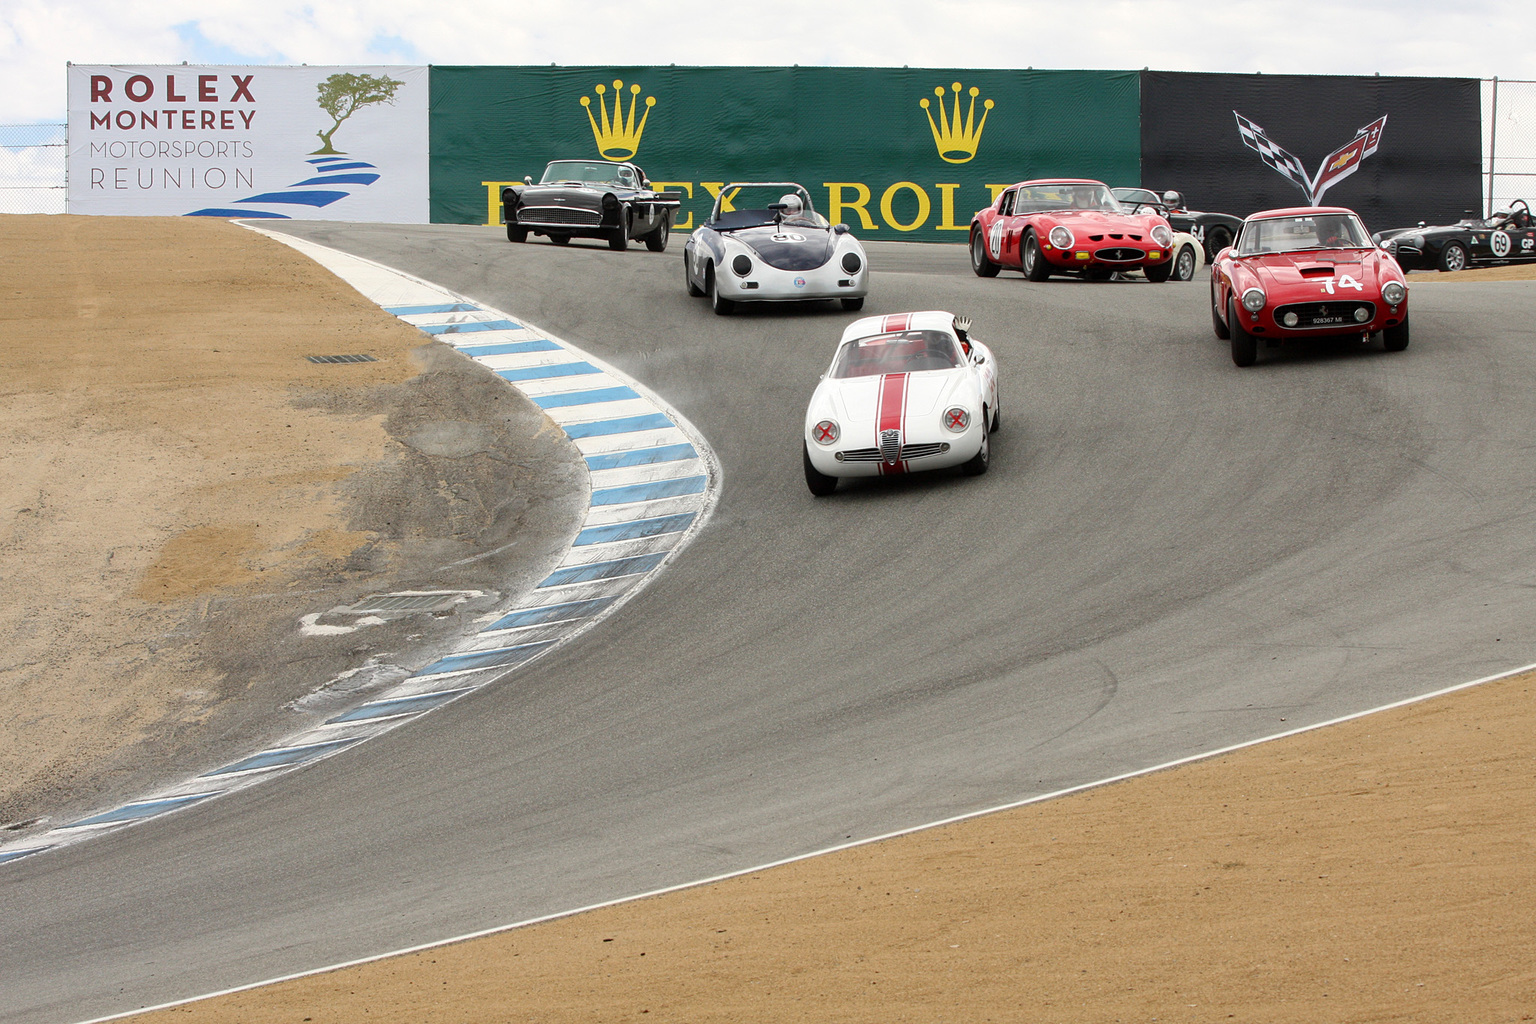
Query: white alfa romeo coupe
(905, 392)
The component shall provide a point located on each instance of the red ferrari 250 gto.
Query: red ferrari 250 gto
(1306, 272)
(1068, 226)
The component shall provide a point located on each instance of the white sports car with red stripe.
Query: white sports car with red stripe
(905, 392)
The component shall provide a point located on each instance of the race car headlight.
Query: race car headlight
(1161, 235)
(742, 264)
(957, 419)
(1393, 293)
(1061, 237)
(826, 432)
(1362, 314)
(1253, 299)
(1413, 241)
(851, 263)
(1290, 319)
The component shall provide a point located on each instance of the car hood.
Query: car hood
(856, 401)
(1291, 270)
(1095, 222)
(791, 247)
(575, 194)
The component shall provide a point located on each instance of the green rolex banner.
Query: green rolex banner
(895, 153)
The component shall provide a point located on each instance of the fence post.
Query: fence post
(1493, 143)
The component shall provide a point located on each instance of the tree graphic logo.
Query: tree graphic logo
(343, 95)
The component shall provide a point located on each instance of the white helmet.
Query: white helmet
(792, 205)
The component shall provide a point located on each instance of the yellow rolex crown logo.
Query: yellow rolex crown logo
(956, 137)
(618, 139)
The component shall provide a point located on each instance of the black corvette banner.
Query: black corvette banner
(1395, 150)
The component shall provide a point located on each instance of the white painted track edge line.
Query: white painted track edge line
(727, 876)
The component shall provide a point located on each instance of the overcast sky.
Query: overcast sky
(1470, 38)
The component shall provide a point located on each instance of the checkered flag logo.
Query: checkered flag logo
(1280, 159)
(1336, 166)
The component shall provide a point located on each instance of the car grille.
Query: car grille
(908, 452)
(890, 445)
(1322, 316)
(556, 215)
(1120, 255)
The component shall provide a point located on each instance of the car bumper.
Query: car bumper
(769, 284)
(853, 460)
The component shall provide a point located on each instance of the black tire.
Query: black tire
(820, 484)
(997, 419)
(1395, 339)
(618, 239)
(981, 263)
(1035, 266)
(516, 234)
(1245, 347)
(1157, 273)
(719, 303)
(560, 239)
(1452, 258)
(1216, 239)
(656, 241)
(694, 291)
(1184, 263)
(1216, 324)
(853, 305)
(1034, 261)
(977, 464)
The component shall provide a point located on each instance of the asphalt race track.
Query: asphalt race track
(1169, 556)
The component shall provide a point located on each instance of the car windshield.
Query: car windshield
(590, 172)
(1047, 196)
(747, 206)
(898, 352)
(1132, 196)
(1295, 234)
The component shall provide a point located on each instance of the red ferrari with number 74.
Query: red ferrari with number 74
(1306, 272)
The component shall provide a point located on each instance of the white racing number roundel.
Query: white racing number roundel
(995, 239)
(1499, 243)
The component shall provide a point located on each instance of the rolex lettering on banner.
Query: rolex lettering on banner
(333, 143)
(897, 153)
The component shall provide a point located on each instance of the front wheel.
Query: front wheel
(719, 303)
(618, 241)
(1035, 267)
(694, 291)
(820, 484)
(1245, 347)
(1157, 273)
(1453, 258)
(977, 464)
(656, 241)
(1216, 325)
(853, 305)
(516, 234)
(1184, 264)
(1395, 339)
(981, 263)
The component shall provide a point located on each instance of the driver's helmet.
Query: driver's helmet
(793, 207)
(1085, 197)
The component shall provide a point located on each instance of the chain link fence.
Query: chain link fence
(32, 155)
(32, 168)
(1509, 142)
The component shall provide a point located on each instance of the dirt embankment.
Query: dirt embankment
(179, 485)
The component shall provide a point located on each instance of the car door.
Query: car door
(997, 233)
(985, 367)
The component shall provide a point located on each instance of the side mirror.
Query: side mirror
(527, 179)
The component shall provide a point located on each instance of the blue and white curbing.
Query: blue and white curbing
(654, 482)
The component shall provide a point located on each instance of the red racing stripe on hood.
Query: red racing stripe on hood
(896, 322)
(891, 413)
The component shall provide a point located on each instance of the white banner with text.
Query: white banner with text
(314, 143)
